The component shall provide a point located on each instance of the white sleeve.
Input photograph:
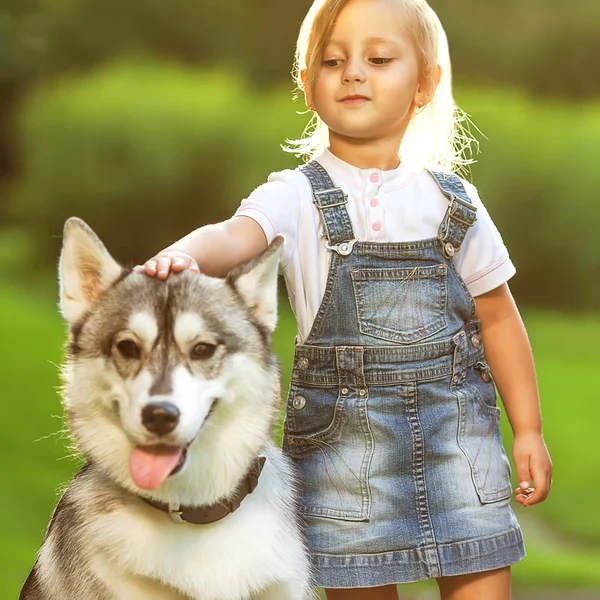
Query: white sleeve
(483, 261)
(275, 206)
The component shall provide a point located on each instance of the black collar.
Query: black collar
(203, 515)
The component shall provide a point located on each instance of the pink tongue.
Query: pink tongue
(150, 469)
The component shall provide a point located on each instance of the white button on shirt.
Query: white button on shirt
(400, 205)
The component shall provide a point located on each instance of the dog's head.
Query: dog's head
(162, 373)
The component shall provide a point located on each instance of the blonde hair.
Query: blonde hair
(436, 137)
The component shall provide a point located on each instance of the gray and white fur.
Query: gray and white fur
(200, 346)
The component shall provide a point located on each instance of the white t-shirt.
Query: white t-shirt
(401, 205)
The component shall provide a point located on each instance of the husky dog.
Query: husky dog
(171, 392)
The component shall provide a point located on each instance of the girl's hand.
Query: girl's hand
(533, 463)
(166, 262)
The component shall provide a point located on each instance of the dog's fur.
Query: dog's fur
(104, 542)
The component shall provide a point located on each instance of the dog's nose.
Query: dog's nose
(160, 417)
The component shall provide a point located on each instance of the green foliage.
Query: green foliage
(144, 154)
(567, 359)
(545, 46)
(536, 177)
(515, 42)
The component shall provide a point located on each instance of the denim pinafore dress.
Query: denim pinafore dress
(391, 419)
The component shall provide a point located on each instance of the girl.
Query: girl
(398, 279)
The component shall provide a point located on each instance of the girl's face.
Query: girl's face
(368, 82)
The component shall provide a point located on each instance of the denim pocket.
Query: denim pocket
(401, 305)
(480, 439)
(313, 415)
(327, 436)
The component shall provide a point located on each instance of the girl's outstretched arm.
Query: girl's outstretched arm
(213, 249)
(509, 355)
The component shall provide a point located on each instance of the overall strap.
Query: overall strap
(461, 213)
(331, 203)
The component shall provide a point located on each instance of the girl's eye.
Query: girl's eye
(379, 60)
(332, 62)
(129, 350)
(203, 351)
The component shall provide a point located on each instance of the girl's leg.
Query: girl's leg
(387, 592)
(491, 585)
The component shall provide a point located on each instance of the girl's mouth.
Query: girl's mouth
(356, 99)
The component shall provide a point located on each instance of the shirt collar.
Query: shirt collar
(344, 173)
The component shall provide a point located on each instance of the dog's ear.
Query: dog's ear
(85, 269)
(256, 282)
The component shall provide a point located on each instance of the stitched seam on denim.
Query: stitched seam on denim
(374, 377)
(450, 229)
(315, 330)
(367, 458)
(461, 436)
(325, 356)
(324, 435)
(465, 289)
(514, 533)
(335, 219)
(418, 464)
(369, 444)
(494, 412)
(397, 248)
(460, 359)
(344, 513)
(513, 536)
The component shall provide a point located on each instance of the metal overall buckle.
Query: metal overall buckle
(316, 198)
(448, 249)
(343, 248)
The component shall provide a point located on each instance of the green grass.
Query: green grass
(567, 355)
(564, 553)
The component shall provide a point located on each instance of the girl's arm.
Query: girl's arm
(213, 249)
(509, 355)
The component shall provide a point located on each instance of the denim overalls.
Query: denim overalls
(391, 421)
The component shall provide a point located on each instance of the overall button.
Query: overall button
(476, 341)
(450, 250)
(362, 392)
(299, 402)
(303, 363)
(344, 391)
(486, 376)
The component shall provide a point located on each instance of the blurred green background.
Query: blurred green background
(149, 118)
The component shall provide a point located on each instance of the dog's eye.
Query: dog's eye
(129, 349)
(203, 351)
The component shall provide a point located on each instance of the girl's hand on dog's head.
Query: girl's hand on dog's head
(168, 261)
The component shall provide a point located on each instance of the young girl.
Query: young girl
(397, 277)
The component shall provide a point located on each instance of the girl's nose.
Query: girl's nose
(353, 73)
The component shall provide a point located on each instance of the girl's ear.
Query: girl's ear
(427, 87)
(307, 91)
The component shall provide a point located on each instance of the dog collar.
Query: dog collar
(203, 515)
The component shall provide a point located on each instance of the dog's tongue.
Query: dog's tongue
(149, 469)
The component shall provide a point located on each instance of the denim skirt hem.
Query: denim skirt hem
(409, 566)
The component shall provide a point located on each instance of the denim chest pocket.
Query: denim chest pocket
(328, 438)
(479, 436)
(401, 305)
